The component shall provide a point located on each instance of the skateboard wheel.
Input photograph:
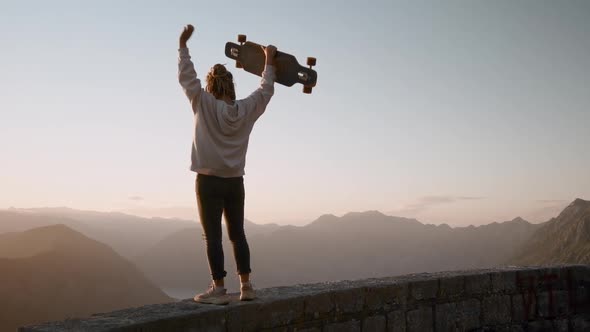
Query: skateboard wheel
(241, 38)
(311, 61)
(307, 89)
(239, 64)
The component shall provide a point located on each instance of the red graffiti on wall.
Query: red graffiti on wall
(530, 285)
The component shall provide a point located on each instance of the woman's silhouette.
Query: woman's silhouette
(222, 130)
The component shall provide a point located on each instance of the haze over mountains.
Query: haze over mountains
(128, 235)
(70, 263)
(356, 245)
(53, 272)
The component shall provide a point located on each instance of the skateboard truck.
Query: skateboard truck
(308, 88)
(235, 52)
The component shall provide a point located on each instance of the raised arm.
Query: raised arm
(260, 98)
(187, 76)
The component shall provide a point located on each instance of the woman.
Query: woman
(222, 130)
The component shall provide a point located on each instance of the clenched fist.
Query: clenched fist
(270, 51)
(186, 34)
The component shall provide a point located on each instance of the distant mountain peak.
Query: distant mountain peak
(561, 240)
(518, 220)
(575, 209)
(55, 228)
(329, 219)
(324, 219)
(578, 202)
(370, 213)
(328, 216)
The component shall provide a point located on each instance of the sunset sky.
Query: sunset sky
(463, 112)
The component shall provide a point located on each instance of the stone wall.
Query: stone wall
(507, 299)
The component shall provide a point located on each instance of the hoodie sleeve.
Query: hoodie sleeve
(187, 77)
(258, 99)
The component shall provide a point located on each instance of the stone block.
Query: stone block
(499, 328)
(423, 289)
(553, 304)
(318, 306)
(539, 326)
(478, 284)
(462, 316)
(524, 307)
(309, 329)
(560, 325)
(420, 320)
(579, 273)
(495, 309)
(451, 287)
(350, 326)
(527, 279)
(504, 282)
(396, 321)
(243, 318)
(386, 297)
(374, 323)
(210, 320)
(580, 323)
(278, 312)
(445, 317)
(582, 299)
(349, 300)
(556, 278)
(469, 313)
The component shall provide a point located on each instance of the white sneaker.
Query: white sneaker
(247, 292)
(213, 295)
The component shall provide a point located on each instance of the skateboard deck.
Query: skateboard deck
(250, 56)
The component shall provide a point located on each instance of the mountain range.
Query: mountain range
(63, 262)
(53, 272)
(356, 245)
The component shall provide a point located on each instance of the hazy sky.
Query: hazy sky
(457, 111)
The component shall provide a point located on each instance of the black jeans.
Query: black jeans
(216, 195)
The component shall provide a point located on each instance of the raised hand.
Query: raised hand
(186, 34)
(270, 51)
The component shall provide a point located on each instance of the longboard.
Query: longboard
(250, 56)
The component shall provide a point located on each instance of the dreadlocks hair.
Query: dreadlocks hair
(220, 82)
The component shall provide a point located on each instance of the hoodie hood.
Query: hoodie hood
(231, 118)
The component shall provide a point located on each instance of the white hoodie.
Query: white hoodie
(222, 131)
